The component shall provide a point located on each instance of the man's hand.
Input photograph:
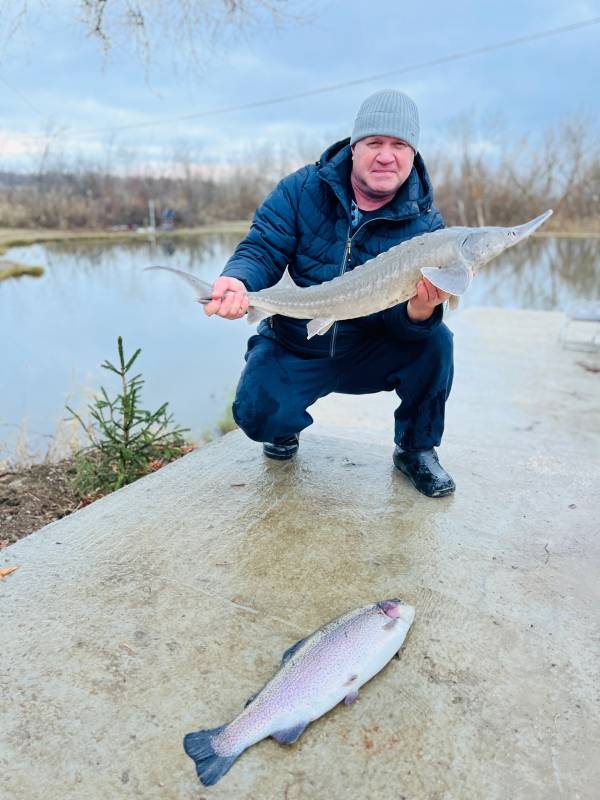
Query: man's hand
(420, 307)
(230, 299)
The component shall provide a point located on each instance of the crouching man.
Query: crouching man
(365, 195)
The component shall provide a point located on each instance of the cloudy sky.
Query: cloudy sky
(55, 78)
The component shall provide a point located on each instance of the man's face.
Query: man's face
(381, 164)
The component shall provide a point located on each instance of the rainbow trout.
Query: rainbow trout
(316, 674)
(448, 258)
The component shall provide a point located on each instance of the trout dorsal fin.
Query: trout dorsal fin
(291, 650)
(454, 279)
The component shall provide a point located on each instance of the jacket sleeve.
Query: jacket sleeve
(396, 320)
(260, 259)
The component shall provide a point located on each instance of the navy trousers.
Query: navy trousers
(277, 386)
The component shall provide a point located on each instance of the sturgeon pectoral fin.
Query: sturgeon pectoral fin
(454, 278)
(291, 650)
(290, 735)
(256, 315)
(318, 326)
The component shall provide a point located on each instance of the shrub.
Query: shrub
(126, 441)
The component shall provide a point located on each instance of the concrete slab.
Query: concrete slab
(161, 608)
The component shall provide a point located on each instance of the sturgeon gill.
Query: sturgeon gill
(448, 258)
(316, 674)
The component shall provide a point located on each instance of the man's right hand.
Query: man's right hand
(230, 299)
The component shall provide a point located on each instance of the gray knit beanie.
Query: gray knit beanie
(388, 113)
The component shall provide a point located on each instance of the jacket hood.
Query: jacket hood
(415, 194)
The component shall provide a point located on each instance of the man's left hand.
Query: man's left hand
(420, 306)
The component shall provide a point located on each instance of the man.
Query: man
(366, 194)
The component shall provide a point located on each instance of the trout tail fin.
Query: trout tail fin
(203, 290)
(209, 765)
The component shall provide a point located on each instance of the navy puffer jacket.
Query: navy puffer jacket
(305, 223)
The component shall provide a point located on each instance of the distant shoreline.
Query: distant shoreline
(15, 237)
(22, 237)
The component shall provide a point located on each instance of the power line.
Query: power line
(332, 87)
(21, 96)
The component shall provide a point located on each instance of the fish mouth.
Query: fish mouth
(396, 609)
(523, 231)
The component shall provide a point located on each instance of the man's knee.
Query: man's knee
(266, 418)
(440, 345)
(254, 410)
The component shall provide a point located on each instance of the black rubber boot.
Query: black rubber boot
(282, 450)
(425, 471)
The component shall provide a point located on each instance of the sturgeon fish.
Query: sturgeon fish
(448, 258)
(316, 674)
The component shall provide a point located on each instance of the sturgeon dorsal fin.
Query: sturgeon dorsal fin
(318, 327)
(286, 281)
(454, 279)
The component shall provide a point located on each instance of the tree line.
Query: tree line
(479, 179)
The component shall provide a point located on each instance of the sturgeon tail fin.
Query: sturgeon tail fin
(202, 289)
(210, 766)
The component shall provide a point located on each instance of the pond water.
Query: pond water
(56, 330)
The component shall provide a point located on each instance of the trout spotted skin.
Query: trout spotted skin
(448, 258)
(316, 674)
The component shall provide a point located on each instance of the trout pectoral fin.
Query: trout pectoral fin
(318, 327)
(256, 315)
(290, 735)
(454, 279)
(351, 697)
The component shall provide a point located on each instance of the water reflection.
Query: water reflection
(57, 330)
(544, 274)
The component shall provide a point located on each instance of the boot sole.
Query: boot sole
(279, 457)
(441, 493)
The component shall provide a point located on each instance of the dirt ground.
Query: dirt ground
(31, 497)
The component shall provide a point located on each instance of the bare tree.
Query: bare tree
(193, 28)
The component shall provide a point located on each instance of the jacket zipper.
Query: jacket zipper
(347, 256)
(347, 250)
